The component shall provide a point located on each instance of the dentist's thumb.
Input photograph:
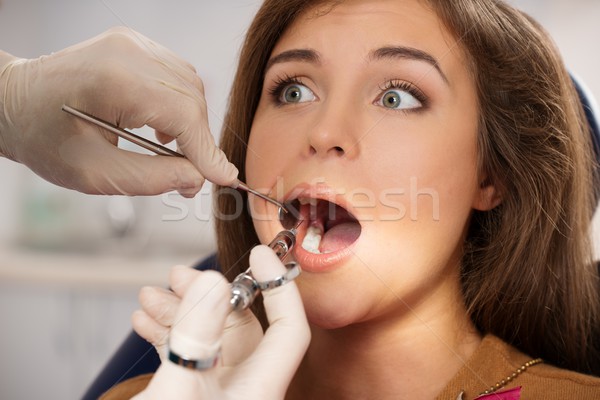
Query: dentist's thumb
(288, 334)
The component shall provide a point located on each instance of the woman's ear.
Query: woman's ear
(488, 196)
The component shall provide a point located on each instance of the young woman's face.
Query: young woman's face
(368, 107)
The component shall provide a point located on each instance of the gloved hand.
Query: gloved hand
(197, 315)
(124, 78)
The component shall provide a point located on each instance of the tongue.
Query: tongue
(339, 237)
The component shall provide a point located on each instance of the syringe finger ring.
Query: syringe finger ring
(245, 288)
(293, 270)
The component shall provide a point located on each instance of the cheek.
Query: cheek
(426, 189)
(267, 159)
(273, 147)
(421, 166)
(260, 159)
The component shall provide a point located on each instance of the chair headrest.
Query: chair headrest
(592, 113)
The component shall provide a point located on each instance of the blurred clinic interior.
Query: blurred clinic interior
(71, 265)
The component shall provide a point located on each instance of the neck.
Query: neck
(409, 356)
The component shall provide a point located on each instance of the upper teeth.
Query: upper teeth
(308, 200)
(312, 239)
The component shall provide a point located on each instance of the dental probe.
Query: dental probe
(245, 288)
(157, 148)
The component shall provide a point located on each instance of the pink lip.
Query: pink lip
(311, 262)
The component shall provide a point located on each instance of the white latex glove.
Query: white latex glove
(252, 366)
(124, 78)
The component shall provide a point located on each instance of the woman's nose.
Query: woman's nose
(333, 133)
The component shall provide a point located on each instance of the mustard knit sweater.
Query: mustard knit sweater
(493, 361)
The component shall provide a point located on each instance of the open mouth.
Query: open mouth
(330, 226)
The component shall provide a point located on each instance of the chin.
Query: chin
(328, 306)
(329, 319)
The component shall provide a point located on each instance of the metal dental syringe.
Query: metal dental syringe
(245, 288)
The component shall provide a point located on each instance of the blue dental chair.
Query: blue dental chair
(137, 357)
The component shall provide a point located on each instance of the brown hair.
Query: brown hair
(527, 271)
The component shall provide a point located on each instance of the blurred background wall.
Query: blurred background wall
(71, 265)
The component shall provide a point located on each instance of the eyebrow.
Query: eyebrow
(402, 52)
(306, 55)
(388, 52)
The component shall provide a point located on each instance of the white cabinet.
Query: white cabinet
(63, 316)
(55, 339)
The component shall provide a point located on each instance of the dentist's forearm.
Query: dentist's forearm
(5, 63)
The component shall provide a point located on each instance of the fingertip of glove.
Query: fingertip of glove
(139, 320)
(137, 316)
(232, 172)
(145, 293)
(181, 276)
(209, 286)
(188, 180)
(222, 172)
(188, 193)
(262, 251)
(265, 264)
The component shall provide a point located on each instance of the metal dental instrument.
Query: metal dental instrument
(245, 288)
(156, 148)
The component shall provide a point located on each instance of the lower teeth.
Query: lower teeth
(312, 240)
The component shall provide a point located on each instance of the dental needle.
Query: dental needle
(157, 148)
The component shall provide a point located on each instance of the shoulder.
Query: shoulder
(128, 388)
(496, 361)
(549, 382)
(542, 380)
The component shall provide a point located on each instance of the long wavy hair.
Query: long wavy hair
(527, 270)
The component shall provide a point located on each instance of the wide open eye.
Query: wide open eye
(399, 99)
(400, 95)
(296, 93)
